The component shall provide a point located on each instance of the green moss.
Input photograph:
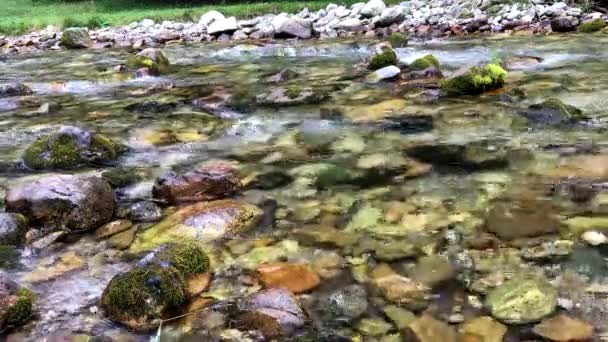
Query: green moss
(9, 257)
(144, 293)
(398, 40)
(188, 258)
(424, 63)
(104, 148)
(559, 109)
(592, 26)
(475, 80)
(20, 312)
(292, 92)
(121, 177)
(333, 175)
(386, 58)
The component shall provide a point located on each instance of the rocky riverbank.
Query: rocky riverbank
(374, 18)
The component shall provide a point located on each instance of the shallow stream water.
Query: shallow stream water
(441, 210)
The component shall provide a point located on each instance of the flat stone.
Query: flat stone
(429, 329)
(112, 228)
(564, 328)
(295, 278)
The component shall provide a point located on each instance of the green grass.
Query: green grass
(19, 16)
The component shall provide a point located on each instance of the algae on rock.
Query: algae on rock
(474, 80)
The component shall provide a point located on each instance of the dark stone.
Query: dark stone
(12, 229)
(14, 89)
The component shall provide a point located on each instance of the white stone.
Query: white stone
(222, 26)
(373, 8)
(147, 23)
(594, 238)
(209, 17)
(385, 73)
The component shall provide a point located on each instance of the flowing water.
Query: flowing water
(443, 210)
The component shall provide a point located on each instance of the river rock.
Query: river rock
(592, 25)
(295, 278)
(208, 182)
(13, 228)
(432, 270)
(374, 327)
(157, 288)
(76, 38)
(400, 290)
(16, 304)
(209, 17)
(382, 55)
(523, 299)
(65, 263)
(484, 329)
(152, 59)
(74, 202)
(113, 228)
(564, 23)
(349, 25)
(390, 16)
(145, 211)
(386, 73)
(428, 329)
(225, 25)
(474, 80)
(294, 27)
(511, 218)
(274, 312)
(474, 155)
(373, 8)
(14, 89)
(564, 328)
(345, 304)
(553, 112)
(203, 221)
(70, 147)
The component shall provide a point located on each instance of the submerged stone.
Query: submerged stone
(345, 304)
(203, 221)
(274, 312)
(295, 278)
(16, 304)
(523, 299)
(424, 62)
(475, 155)
(474, 80)
(553, 112)
(121, 177)
(70, 147)
(387, 73)
(150, 58)
(14, 89)
(74, 202)
(429, 329)
(484, 329)
(564, 328)
(513, 218)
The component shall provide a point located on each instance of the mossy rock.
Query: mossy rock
(398, 40)
(157, 288)
(552, 112)
(9, 257)
(20, 309)
(592, 26)
(121, 177)
(13, 228)
(153, 59)
(425, 63)
(76, 38)
(383, 58)
(69, 148)
(474, 80)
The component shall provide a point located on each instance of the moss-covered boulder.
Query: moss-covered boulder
(382, 56)
(474, 80)
(76, 38)
(553, 112)
(122, 176)
(523, 299)
(70, 147)
(159, 286)
(203, 222)
(16, 304)
(398, 40)
(12, 229)
(151, 58)
(425, 62)
(592, 26)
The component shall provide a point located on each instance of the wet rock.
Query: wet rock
(66, 263)
(295, 278)
(594, 238)
(13, 228)
(523, 299)
(553, 112)
(387, 73)
(223, 25)
(398, 40)
(474, 80)
(425, 62)
(382, 56)
(274, 312)
(76, 203)
(587, 261)
(389, 16)
(16, 304)
(374, 327)
(76, 38)
(322, 235)
(401, 317)
(521, 62)
(476, 155)
(151, 58)
(208, 182)
(550, 250)
(564, 328)
(388, 249)
(513, 218)
(156, 288)
(345, 304)
(432, 270)
(373, 8)
(429, 329)
(145, 211)
(564, 23)
(268, 254)
(122, 240)
(400, 290)
(282, 76)
(113, 228)
(14, 89)
(293, 27)
(121, 177)
(592, 26)
(70, 147)
(203, 221)
(483, 329)
(290, 96)
(271, 180)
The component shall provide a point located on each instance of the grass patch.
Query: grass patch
(19, 16)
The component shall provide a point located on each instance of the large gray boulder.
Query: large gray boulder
(64, 201)
(293, 27)
(227, 25)
(211, 16)
(76, 38)
(373, 8)
(390, 16)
